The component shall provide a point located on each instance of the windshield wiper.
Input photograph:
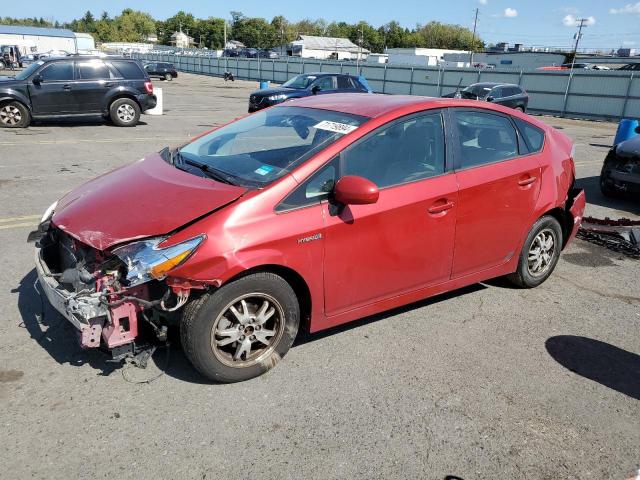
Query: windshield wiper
(180, 162)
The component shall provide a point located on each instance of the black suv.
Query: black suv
(117, 88)
(166, 71)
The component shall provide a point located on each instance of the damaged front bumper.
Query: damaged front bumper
(90, 315)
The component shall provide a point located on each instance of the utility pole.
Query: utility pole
(473, 41)
(578, 36)
(224, 46)
(360, 40)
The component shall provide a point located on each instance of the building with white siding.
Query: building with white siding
(38, 40)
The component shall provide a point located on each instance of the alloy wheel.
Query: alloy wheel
(10, 115)
(541, 253)
(126, 113)
(247, 330)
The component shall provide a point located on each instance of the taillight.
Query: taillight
(148, 86)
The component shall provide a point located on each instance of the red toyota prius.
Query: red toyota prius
(314, 213)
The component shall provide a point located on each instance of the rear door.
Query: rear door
(94, 80)
(54, 95)
(499, 184)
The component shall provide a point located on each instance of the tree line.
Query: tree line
(135, 26)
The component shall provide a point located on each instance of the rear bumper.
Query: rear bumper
(576, 204)
(147, 101)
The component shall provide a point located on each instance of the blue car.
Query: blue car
(305, 85)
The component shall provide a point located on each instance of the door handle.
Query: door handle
(443, 207)
(527, 181)
(66, 87)
(108, 84)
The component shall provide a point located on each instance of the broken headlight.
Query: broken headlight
(48, 213)
(146, 260)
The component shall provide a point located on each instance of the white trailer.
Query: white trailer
(38, 40)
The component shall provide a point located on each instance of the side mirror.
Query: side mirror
(354, 190)
(37, 80)
(490, 99)
(315, 89)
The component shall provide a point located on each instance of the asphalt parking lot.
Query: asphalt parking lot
(486, 382)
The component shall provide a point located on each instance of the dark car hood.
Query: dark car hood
(147, 198)
(290, 92)
(629, 148)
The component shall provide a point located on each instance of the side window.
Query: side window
(345, 83)
(484, 138)
(534, 137)
(128, 69)
(313, 190)
(57, 71)
(410, 150)
(497, 92)
(325, 83)
(95, 70)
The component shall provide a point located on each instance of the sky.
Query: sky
(611, 23)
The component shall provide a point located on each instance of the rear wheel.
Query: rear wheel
(14, 115)
(124, 112)
(243, 329)
(168, 77)
(539, 254)
(521, 108)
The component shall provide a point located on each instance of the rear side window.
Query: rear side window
(345, 83)
(128, 70)
(93, 71)
(484, 138)
(533, 136)
(57, 71)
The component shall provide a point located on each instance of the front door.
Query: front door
(405, 240)
(54, 95)
(499, 188)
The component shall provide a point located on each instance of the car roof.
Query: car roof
(85, 57)
(375, 105)
(493, 84)
(326, 74)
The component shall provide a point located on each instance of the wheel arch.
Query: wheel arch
(13, 97)
(565, 220)
(118, 96)
(293, 278)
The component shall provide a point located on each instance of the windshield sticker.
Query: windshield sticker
(264, 170)
(336, 127)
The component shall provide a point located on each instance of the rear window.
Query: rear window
(128, 70)
(533, 136)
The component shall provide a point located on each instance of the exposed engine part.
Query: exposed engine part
(622, 235)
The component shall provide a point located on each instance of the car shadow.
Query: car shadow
(78, 122)
(601, 362)
(591, 186)
(59, 339)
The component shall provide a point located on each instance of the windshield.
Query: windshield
(262, 147)
(299, 81)
(28, 71)
(479, 91)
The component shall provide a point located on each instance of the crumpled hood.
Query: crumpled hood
(629, 148)
(265, 92)
(143, 199)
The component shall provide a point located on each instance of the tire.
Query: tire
(521, 108)
(221, 357)
(605, 186)
(2, 65)
(168, 77)
(124, 112)
(14, 115)
(526, 275)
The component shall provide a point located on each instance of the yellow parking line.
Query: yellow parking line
(108, 140)
(17, 225)
(23, 217)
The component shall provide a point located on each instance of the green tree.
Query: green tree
(134, 26)
(183, 20)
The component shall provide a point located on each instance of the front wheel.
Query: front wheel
(124, 112)
(243, 329)
(14, 115)
(539, 254)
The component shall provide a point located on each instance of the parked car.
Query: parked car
(305, 85)
(507, 94)
(10, 54)
(116, 88)
(621, 169)
(166, 71)
(309, 214)
(631, 66)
